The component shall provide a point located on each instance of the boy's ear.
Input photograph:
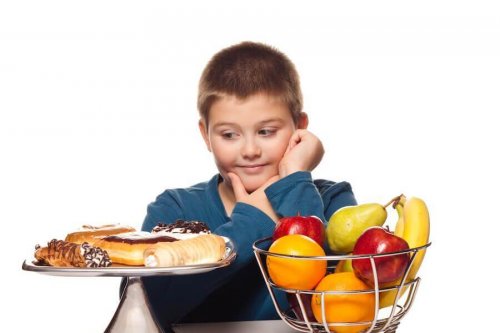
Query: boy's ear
(204, 133)
(303, 121)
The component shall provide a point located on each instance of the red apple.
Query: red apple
(310, 226)
(377, 240)
(295, 306)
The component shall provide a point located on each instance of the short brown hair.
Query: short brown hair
(248, 68)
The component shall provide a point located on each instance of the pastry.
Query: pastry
(203, 249)
(90, 233)
(178, 243)
(182, 229)
(60, 253)
(128, 248)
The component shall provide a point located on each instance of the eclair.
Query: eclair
(128, 248)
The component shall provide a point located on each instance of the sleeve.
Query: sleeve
(247, 225)
(172, 298)
(166, 208)
(298, 194)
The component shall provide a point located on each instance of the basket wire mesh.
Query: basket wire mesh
(384, 320)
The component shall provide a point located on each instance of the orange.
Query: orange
(345, 308)
(296, 273)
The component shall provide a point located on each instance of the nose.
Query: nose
(251, 149)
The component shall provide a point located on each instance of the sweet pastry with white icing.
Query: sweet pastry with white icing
(182, 227)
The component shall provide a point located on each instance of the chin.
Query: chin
(254, 183)
(251, 188)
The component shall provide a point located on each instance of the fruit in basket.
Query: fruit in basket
(310, 226)
(344, 308)
(377, 240)
(348, 223)
(414, 227)
(399, 207)
(295, 306)
(296, 273)
(344, 265)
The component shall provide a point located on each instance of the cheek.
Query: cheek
(277, 149)
(223, 154)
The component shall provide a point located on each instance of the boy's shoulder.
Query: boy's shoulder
(325, 186)
(198, 190)
(197, 202)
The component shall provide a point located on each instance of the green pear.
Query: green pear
(344, 266)
(348, 223)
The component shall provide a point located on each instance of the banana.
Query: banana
(415, 229)
(399, 206)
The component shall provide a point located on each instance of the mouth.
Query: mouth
(252, 168)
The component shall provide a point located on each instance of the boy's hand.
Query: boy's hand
(304, 153)
(257, 198)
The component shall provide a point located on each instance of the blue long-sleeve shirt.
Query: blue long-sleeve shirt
(237, 292)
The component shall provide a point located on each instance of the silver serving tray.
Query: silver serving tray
(129, 271)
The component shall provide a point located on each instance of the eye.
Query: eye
(228, 135)
(267, 131)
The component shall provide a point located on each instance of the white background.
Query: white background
(98, 116)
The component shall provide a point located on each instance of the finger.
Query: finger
(295, 139)
(239, 190)
(291, 143)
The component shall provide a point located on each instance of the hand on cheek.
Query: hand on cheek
(257, 198)
(304, 153)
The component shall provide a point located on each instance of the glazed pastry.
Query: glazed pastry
(60, 253)
(90, 233)
(203, 249)
(128, 248)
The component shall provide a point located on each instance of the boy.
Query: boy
(251, 120)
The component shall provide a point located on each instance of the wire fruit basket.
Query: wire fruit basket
(297, 311)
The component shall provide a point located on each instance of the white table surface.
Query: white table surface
(263, 326)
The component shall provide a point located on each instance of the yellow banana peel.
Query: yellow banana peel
(400, 224)
(413, 226)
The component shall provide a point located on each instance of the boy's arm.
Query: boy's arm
(297, 194)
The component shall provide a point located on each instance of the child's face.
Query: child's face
(248, 137)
